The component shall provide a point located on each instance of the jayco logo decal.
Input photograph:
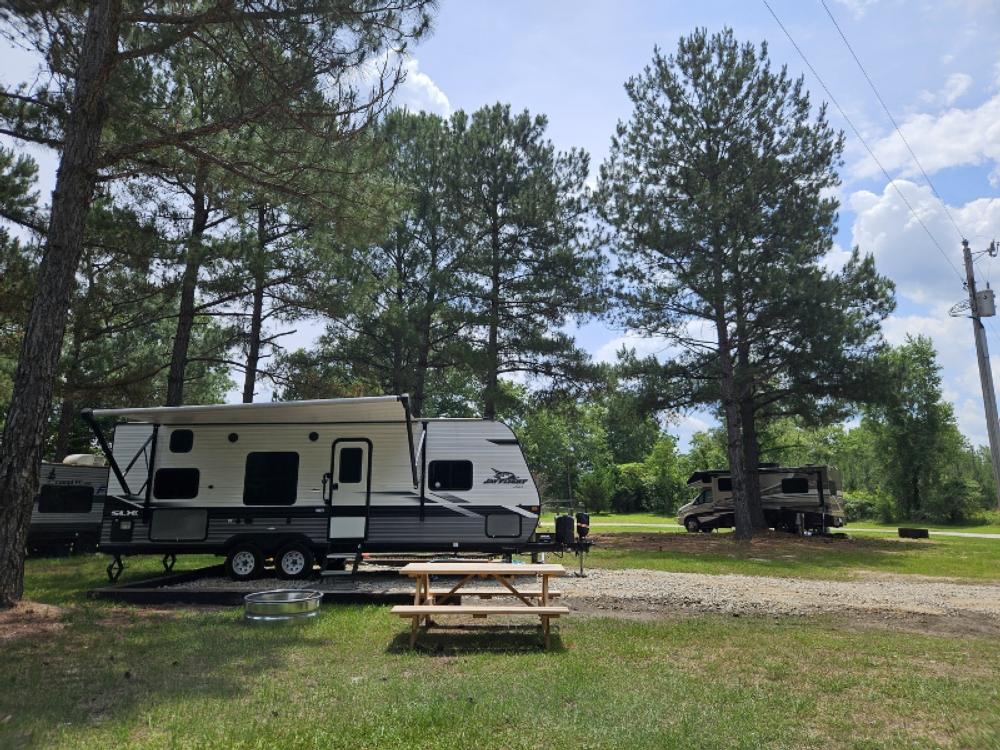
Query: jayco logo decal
(504, 477)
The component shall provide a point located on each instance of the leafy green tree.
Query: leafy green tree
(914, 430)
(408, 321)
(523, 211)
(718, 194)
(101, 56)
(563, 444)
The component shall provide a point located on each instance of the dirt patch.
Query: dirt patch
(762, 546)
(29, 618)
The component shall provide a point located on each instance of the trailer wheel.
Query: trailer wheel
(692, 524)
(244, 562)
(294, 561)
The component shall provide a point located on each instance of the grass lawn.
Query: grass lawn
(992, 526)
(104, 676)
(780, 555)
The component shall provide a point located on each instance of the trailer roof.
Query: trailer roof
(364, 409)
(707, 474)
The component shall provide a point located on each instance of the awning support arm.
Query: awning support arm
(409, 439)
(102, 441)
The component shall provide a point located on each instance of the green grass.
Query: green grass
(991, 525)
(610, 522)
(122, 677)
(975, 559)
(62, 580)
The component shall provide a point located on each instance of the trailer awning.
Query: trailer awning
(331, 411)
(368, 409)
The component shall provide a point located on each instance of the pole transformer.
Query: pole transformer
(981, 305)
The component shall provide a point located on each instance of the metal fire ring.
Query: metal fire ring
(282, 605)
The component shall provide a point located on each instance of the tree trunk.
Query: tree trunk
(734, 435)
(37, 367)
(67, 415)
(257, 310)
(751, 449)
(189, 287)
(490, 394)
(253, 346)
(424, 337)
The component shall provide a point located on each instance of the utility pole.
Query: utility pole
(982, 305)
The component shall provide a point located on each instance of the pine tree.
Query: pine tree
(718, 195)
(100, 54)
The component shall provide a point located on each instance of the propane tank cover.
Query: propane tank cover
(985, 304)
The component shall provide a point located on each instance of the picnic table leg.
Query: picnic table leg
(545, 590)
(545, 630)
(413, 631)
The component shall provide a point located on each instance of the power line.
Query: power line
(892, 119)
(863, 141)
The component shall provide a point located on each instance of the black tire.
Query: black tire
(692, 524)
(244, 562)
(294, 561)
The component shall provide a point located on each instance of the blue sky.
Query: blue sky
(936, 63)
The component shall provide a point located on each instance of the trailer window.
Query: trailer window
(795, 485)
(349, 470)
(725, 484)
(271, 478)
(176, 484)
(181, 441)
(56, 498)
(450, 475)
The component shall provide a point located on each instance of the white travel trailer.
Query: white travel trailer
(70, 505)
(794, 499)
(300, 481)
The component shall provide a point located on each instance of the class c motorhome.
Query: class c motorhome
(303, 480)
(68, 510)
(803, 498)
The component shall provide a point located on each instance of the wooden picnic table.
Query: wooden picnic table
(429, 601)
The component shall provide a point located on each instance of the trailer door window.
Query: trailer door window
(271, 478)
(349, 471)
(176, 484)
(57, 498)
(450, 475)
(795, 485)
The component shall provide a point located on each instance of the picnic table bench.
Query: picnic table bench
(428, 600)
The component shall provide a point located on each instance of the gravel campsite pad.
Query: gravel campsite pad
(632, 591)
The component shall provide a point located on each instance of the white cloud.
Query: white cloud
(644, 346)
(419, 92)
(956, 85)
(857, 8)
(886, 228)
(953, 138)
(835, 259)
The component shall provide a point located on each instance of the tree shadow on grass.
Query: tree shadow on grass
(109, 665)
(456, 640)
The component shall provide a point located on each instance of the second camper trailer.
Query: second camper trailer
(802, 498)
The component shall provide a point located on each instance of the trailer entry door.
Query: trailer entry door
(350, 489)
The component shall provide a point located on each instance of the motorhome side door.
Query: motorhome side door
(350, 488)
